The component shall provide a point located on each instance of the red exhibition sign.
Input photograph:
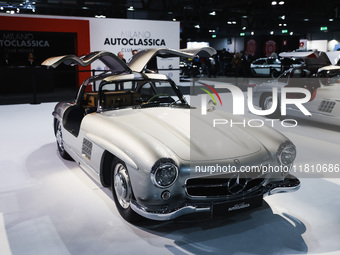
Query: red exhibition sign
(251, 47)
(270, 47)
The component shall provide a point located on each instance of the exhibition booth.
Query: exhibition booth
(126, 140)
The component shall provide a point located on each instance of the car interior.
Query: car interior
(117, 95)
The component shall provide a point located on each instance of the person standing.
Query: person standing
(246, 62)
(121, 56)
(223, 61)
(30, 59)
(236, 64)
(134, 52)
(6, 60)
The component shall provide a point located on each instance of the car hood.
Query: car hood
(190, 135)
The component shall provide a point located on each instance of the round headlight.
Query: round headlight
(164, 173)
(286, 153)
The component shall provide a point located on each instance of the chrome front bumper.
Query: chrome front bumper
(290, 184)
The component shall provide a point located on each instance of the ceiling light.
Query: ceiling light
(271, 32)
(331, 20)
(282, 17)
(234, 22)
(281, 3)
(212, 31)
(197, 26)
(280, 25)
(100, 16)
(291, 33)
(131, 8)
(252, 33)
(244, 28)
(274, 3)
(284, 25)
(1, 8)
(173, 19)
(245, 17)
(306, 20)
(213, 13)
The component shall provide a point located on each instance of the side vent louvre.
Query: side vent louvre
(86, 149)
(326, 106)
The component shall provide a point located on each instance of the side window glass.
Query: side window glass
(147, 89)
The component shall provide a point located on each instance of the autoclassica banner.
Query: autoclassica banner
(121, 35)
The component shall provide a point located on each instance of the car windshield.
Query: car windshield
(259, 62)
(140, 94)
(273, 61)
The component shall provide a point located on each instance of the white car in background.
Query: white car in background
(271, 67)
(322, 81)
(266, 67)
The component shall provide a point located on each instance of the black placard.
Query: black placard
(232, 207)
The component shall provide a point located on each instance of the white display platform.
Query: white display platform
(50, 206)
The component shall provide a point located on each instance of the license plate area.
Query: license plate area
(232, 207)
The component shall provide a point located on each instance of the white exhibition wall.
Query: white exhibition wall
(320, 45)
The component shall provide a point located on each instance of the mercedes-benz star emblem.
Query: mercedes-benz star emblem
(237, 183)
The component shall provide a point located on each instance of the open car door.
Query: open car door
(311, 58)
(142, 58)
(115, 64)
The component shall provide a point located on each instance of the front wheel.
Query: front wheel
(60, 141)
(122, 191)
(267, 102)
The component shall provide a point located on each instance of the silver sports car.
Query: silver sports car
(162, 158)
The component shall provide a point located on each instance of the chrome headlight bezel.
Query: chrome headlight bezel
(165, 166)
(286, 153)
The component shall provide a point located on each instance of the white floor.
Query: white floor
(50, 206)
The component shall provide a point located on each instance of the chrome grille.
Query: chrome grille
(223, 185)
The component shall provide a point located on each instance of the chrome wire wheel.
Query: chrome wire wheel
(60, 141)
(267, 103)
(59, 137)
(122, 185)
